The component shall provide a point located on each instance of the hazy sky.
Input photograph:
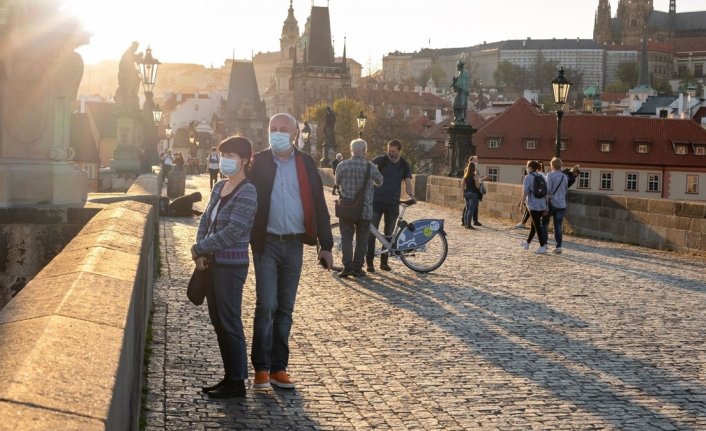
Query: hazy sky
(209, 31)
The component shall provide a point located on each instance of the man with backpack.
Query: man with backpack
(534, 196)
(557, 200)
(213, 166)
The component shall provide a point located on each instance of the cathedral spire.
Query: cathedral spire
(672, 7)
(644, 63)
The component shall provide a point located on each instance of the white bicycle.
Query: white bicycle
(421, 245)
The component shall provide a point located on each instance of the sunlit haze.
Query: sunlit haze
(209, 31)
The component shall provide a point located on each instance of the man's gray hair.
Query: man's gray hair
(358, 147)
(284, 114)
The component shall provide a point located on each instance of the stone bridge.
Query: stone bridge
(603, 336)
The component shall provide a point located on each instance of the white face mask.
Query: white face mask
(229, 167)
(279, 141)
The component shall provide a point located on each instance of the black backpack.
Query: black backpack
(539, 187)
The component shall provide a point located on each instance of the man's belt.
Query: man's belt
(287, 237)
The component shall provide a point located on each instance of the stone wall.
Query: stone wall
(73, 339)
(655, 223)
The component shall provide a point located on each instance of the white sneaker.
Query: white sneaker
(542, 249)
(519, 226)
(525, 245)
(557, 250)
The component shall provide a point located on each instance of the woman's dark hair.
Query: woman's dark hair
(533, 164)
(239, 145)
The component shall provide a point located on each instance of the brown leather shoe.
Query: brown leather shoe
(262, 380)
(281, 380)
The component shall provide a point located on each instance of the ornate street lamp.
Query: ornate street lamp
(148, 70)
(157, 116)
(168, 133)
(361, 119)
(560, 88)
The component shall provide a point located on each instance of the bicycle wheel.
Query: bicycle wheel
(428, 256)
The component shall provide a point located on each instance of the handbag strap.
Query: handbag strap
(557, 186)
(365, 183)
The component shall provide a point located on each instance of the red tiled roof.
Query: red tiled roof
(437, 130)
(582, 134)
(689, 44)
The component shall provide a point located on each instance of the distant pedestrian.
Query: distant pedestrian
(167, 163)
(558, 186)
(351, 176)
(222, 247)
(334, 165)
(537, 206)
(525, 211)
(474, 161)
(178, 162)
(470, 193)
(213, 166)
(572, 174)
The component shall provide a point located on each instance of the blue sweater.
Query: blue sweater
(231, 233)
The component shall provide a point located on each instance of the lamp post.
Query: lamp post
(157, 116)
(361, 119)
(148, 71)
(306, 134)
(560, 88)
(168, 133)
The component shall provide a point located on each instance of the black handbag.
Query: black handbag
(199, 283)
(351, 209)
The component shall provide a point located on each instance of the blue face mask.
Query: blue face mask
(229, 167)
(279, 141)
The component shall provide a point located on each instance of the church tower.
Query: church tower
(633, 14)
(602, 32)
(282, 100)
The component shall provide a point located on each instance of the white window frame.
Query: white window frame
(699, 150)
(640, 148)
(654, 183)
(629, 181)
(681, 149)
(695, 191)
(606, 180)
(493, 173)
(584, 176)
(530, 144)
(606, 147)
(493, 142)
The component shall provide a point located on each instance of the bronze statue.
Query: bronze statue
(460, 86)
(126, 96)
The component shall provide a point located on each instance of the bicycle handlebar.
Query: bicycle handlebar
(408, 202)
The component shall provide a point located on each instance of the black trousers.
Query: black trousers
(390, 212)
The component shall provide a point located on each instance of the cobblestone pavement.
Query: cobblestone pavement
(603, 336)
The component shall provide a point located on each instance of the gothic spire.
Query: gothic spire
(644, 63)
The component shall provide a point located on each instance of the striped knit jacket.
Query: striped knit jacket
(231, 234)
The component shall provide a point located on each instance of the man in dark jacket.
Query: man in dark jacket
(291, 212)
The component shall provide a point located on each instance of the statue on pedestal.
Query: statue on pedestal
(126, 96)
(460, 85)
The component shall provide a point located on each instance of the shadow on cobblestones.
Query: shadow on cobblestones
(527, 339)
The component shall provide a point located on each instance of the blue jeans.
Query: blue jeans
(558, 215)
(225, 300)
(277, 271)
(471, 206)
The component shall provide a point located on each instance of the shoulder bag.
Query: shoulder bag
(351, 209)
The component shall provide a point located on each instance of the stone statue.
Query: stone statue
(329, 126)
(461, 87)
(128, 80)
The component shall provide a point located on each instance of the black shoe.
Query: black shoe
(358, 273)
(214, 387)
(370, 267)
(345, 273)
(231, 389)
(477, 223)
(385, 267)
(470, 227)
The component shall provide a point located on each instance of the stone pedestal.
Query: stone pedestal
(176, 184)
(459, 147)
(41, 182)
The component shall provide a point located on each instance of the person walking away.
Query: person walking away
(167, 163)
(470, 193)
(334, 165)
(222, 246)
(351, 177)
(557, 201)
(536, 203)
(291, 212)
(213, 166)
(386, 199)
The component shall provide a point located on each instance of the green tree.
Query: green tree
(628, 73)
(346, 129)
(663, 88)
(617, 87)
(506, 75)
